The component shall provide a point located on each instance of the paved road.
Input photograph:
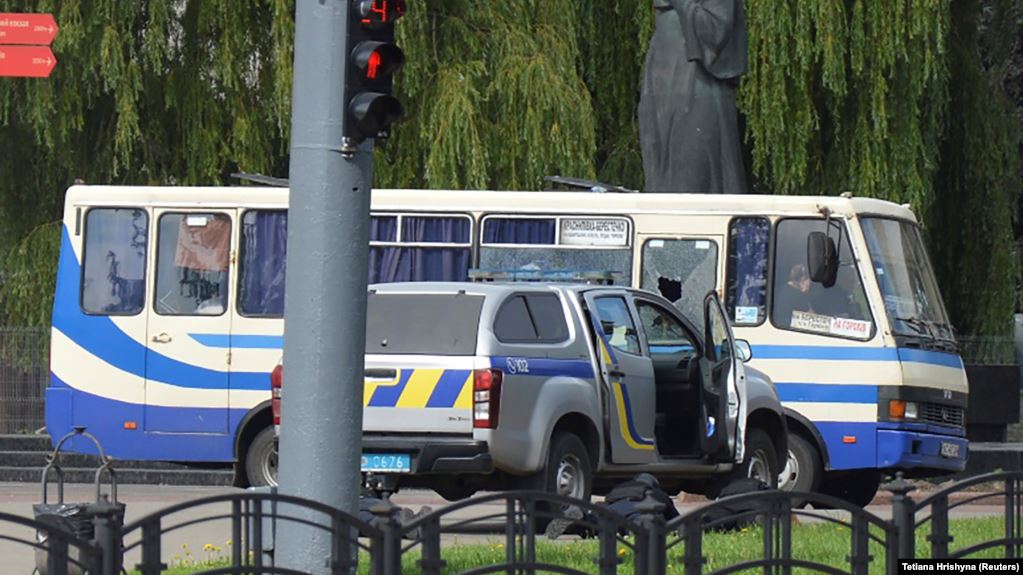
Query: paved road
(142, 500)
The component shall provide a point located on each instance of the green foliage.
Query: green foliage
(493, 97)
(846, 95)
(864, 95)
(26, 289)
(971, 235)
(157, 92)
(613, 40)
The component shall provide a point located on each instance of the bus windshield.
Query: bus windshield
(904, 273)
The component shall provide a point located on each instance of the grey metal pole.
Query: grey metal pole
(325, 304)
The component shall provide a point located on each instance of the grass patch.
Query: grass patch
(828, 544)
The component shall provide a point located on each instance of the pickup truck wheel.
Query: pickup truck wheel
(261, 459)
(803, 470)
(761, 462)
(568, 471)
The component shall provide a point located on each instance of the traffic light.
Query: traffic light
(373, 58)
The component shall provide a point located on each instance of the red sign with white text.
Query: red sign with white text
(26, 61)
(37, 29)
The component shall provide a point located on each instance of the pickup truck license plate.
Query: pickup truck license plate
(950, 450)
(387, 462)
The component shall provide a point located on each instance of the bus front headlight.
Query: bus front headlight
(900, 409)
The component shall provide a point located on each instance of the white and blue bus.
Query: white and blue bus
(168, 315)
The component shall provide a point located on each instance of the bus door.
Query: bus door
(187, 365)
(628, 377)
(682, 268)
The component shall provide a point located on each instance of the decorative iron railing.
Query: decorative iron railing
(643, 544)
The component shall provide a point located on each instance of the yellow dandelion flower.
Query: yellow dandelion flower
(622, 552)
(207, 547)
(228, 542)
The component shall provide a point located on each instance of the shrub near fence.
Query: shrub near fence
(869, 543)
(24, 373)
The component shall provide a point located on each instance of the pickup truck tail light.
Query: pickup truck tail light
(486, 398)
(276, 381)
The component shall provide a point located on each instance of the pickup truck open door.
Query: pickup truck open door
(723, 387)
(628, 377)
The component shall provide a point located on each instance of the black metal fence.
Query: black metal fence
(644, 544)
(24, 371)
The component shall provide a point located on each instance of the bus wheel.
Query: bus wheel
(802, 471)
(261, 459)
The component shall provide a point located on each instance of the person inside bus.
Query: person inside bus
(794, 295)
(844, 299)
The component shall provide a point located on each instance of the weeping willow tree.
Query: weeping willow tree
(846, 95)
(493, 95)
(977, 185)
(857, 95)
(156, 92)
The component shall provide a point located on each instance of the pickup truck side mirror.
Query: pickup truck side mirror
(743, 350)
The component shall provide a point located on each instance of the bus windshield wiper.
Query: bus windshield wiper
(918, 325)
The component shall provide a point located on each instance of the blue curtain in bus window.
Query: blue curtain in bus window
(114, 262)
(519, 231)
(264, 241)
(383, 229)
(747, 296)
(419, 263)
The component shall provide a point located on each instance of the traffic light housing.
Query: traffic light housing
(373, 58)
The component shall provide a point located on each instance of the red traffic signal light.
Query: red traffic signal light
(373, 58)
(377, 60)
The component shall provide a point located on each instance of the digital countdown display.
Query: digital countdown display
(377, 13)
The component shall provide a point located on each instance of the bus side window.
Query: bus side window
(683, 271)
(800, 304)
(192, 264)
(261, 269)
(746, 270)
(419, 247)
(114, 261)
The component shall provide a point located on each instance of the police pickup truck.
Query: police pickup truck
(563, 388)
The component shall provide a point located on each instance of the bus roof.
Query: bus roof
(456, 200)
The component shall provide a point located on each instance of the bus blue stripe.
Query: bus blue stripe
(827, 392)
(931, 357)
(844, 353)
(100, 337)
(239, 341)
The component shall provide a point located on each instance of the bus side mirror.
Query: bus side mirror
(821, 258)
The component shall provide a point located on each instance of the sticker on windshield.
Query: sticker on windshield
(841, 326)
(746, 314)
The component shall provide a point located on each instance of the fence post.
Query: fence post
(108, 518)
(651, 517)
(903, 515)
(387, 521)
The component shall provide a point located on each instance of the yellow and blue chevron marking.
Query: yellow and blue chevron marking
(626, 425)
(421, 387)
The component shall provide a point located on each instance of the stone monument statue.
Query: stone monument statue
(688, 123)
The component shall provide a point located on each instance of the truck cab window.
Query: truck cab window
(619, 331)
